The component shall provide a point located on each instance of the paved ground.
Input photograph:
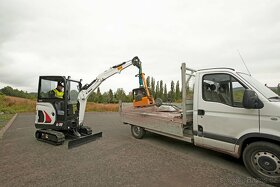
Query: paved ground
(117, 159)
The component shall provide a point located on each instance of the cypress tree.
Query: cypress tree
(165, 96)
(177, 92)
(148, 81)
(153, 87)
(172, 92)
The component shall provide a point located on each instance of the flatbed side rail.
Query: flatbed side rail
(190, 73)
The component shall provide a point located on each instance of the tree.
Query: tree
(105, 97)
(153, 87)
(177, 92)
(171, 95)
(110, 96)
(17, 93)
(91, 97)
(120, 95)
(148, 81)
(157, 90)
(98, 96)
(165, 96)
(7, 90)
(129, 97)
(160, 95)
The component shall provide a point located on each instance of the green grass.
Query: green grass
(12, 105)
(4, 118)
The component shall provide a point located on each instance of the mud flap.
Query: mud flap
(83, 140)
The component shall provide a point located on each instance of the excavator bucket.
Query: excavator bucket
(136, 62)
(83, 140)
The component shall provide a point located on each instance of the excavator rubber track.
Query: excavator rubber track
(50, 136)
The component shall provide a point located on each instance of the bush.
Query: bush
(15, 92)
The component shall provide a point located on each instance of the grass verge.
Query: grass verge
(4, 118)
(9, 106)
(12, 105)
(98, 107)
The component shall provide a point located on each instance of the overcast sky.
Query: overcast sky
(83, 38)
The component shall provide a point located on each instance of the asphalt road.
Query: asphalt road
(117, 159)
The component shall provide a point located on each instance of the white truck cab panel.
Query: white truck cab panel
(221, 118)
(269, 115)
(270, 119)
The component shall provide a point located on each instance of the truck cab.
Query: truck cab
(236, 114)
(223, 121)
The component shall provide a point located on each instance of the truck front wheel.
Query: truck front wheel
(137, 132)
(262, 159)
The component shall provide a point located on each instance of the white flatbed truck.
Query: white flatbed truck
(231, 113)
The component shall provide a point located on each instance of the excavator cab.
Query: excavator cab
(140, 98)
(57, 115)
(55, 112)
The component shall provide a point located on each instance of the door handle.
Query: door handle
(200, 112)
(200, 131)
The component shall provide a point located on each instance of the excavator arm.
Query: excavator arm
(147, 100)
(90, 88)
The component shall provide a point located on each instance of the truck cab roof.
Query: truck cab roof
(211, 69)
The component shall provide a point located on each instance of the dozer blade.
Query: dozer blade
(83, 140)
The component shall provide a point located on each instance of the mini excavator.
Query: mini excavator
(141, 95)
(58, 118)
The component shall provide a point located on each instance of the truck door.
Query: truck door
(221, 117)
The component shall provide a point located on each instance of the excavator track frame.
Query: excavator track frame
(50, 136)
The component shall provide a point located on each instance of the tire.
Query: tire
(262, 160)
(137, 132)
(37, 135)
(158, 102)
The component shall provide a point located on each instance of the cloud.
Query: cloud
(84, 38)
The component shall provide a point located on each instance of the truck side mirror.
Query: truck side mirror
(251, 100)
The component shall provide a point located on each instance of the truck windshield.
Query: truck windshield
(268, 93)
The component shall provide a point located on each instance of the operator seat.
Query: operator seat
(59, 106)
(223, 95)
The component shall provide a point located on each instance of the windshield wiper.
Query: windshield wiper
(276, 97)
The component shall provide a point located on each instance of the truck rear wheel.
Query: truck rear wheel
(262, 159)
(137, 132)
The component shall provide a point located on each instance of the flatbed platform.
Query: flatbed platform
(164, 120)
